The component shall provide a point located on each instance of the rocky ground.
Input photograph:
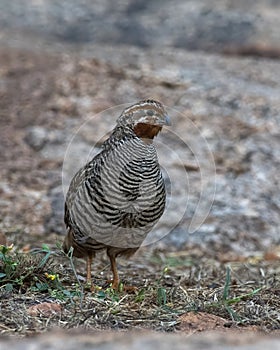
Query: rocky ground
(223, 145)
(66, 72)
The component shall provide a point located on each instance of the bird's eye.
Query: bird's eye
(150, 112)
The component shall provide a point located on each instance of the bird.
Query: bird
(115, 200)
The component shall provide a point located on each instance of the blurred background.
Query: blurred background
(214, 63)
(231, 26)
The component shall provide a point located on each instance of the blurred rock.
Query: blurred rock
(236, 27)
(224, 109)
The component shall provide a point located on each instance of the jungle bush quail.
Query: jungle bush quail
(116, 199)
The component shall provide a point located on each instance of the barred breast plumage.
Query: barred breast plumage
(116, 199)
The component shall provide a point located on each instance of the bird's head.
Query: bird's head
(146, 118)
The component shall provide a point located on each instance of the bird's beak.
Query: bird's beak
(155, 120)
(166, 120)
(162, 121)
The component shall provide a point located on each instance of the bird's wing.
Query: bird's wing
(119, 196)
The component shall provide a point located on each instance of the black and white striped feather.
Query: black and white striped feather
(117, 198)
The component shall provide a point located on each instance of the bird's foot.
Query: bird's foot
(120, 287)
(130, 289)
(90, 286)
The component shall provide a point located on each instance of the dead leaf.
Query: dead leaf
(44, 309)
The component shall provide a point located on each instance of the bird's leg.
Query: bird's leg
(116, 280)
(89, 262)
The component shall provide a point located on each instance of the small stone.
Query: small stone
(36, 137)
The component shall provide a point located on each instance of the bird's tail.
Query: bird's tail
(69, 242)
